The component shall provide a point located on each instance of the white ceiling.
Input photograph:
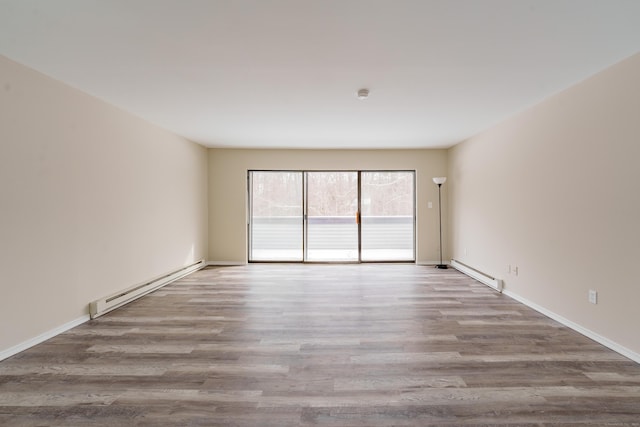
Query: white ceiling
(267, 73)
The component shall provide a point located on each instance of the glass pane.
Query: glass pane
(276, 216)
(387, 216)
(332, 203)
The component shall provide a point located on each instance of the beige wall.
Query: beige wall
(93, 200)
(556, 191)
(228, 190)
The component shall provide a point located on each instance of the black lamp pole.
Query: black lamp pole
(439, 182)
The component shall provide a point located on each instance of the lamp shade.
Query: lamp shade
(440, 180)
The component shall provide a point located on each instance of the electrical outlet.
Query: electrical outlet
(430, 205)
(515, 270)
(466, 251)
(508, 268)
(593, 296)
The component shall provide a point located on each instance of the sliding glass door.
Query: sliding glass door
(387, 216)
(331, 216)
(332, 207)
(276, 216)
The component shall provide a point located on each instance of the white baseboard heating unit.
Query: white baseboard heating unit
(104, 305)
(481, 277)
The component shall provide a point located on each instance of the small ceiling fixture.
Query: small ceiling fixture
(363, 94)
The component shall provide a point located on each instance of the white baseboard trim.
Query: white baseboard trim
(576, 327)
(226, 263)
(42, 337)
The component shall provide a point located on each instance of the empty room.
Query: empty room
(334, 213)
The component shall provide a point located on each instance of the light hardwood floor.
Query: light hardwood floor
(331, 345)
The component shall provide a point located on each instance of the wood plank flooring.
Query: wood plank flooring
(328, 345)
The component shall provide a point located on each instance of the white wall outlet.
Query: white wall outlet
(593, 296)
(466, 251)
(515, 270)
(508, 268)
(430, 205)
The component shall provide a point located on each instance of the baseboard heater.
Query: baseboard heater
(104, 305)
(481, 277)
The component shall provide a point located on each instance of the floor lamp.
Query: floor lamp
(439, 180)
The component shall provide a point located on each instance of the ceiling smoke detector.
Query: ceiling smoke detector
(363, 94)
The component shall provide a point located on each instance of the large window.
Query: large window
(276, 216)
(332, 216)
(387, 212)
(332, 226)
